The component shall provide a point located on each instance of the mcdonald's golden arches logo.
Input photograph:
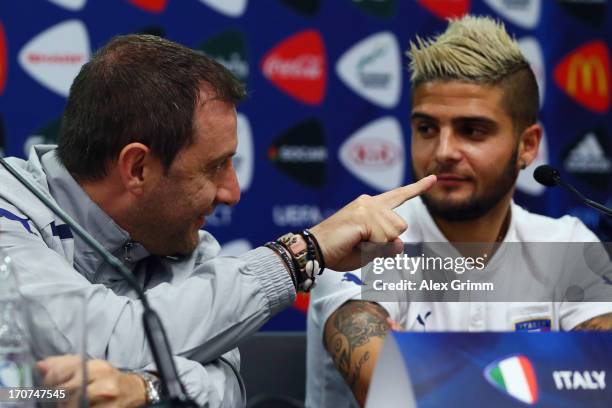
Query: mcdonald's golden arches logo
(584, 75)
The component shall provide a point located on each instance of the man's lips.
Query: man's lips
(449, 179)
(451, 176)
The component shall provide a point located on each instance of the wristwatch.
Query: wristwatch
(152, 386)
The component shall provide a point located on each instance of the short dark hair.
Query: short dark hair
(137, 88)
(521, 98)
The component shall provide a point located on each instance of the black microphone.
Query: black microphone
(550, 177)
(547, 175)
(172, 388)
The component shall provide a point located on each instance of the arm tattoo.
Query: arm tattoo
(599, 323)
(350, 327)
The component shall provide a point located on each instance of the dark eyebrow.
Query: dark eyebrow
(476, 120)
(483, 120)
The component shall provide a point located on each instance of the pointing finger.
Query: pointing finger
(398, 196)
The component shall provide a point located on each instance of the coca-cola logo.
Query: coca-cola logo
(445, 9)
(152, 6)
(298, 67)
(373, 153)
(303, 67)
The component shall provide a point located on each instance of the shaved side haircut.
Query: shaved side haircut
(479, 50)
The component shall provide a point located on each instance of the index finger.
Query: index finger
(400, 195)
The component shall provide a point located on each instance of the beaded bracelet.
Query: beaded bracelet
(304, 262)
(306, 256)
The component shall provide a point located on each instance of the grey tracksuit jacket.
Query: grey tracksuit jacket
(207, 303)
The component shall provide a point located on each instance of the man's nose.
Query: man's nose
(228, 191)
(448, 147)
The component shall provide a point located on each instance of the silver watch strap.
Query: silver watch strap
(153, 386)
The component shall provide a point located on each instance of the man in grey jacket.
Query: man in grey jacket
(145, 153)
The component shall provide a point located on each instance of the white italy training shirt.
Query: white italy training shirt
(325, 387)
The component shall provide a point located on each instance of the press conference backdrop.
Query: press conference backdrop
(327, 119)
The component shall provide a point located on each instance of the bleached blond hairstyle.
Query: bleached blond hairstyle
(478, 50)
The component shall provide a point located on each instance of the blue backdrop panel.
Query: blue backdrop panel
(327, 119)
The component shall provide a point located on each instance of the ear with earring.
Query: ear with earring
(523, 165)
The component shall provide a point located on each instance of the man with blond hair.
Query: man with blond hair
(474, 125)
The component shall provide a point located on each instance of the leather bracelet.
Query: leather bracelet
(286, 257)
(312, 240)
(304, 259)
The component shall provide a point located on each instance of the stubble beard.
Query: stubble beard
(475, 206)
(159, 233)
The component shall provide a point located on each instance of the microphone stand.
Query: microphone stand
(605, 210)
(172, 389)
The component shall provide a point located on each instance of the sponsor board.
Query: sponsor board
(376, 8)
(299, 215)
(2, 138)
(244, 160)
(229, 49)
(72, 5)
(151, 6)
(55, 56)
(221, 216)
(592, 12)
(525, 182)
(230, 8)
(372, 69)
(523, 13)
(589, 158)
(3, 59)
(530, 47)
(298, 67)
(584, 75)
(306, 7)
(301, 153)
(375, 154)
(48, 134)
(446, 9)
(153, 30)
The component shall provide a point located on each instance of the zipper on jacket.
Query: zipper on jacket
(126, 251)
